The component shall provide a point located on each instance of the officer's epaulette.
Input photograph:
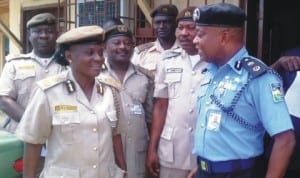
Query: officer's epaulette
(170, 53)
(143, 47)
(11, 57)
(145, 71)
(108, 80)
(254, 66)
(51, 81)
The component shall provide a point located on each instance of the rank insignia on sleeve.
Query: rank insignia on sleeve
(277, 92)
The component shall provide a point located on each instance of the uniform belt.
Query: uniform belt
(225, 166)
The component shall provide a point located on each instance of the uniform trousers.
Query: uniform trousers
(165, 172)
(248, 173)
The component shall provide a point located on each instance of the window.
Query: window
(96, 12)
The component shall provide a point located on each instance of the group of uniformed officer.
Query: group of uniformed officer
(207, 109)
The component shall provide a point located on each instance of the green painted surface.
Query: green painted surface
(11, 149)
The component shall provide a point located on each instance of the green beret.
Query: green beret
(117, 30)
(83, 34)
(220, 14)
(186, 14)
(41, 19)
(165, 10)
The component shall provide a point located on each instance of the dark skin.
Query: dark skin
(287, 63)
(42, 38)
(158, 121)
(119, 50)
(85, 62)
(186, 34)
(164, 28)
(218, 45)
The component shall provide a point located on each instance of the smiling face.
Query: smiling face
(42, 39)
(85, 60)
(119, 49)
(164, 26)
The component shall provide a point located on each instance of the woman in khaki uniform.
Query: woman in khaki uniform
(72, 114)
(135, 88)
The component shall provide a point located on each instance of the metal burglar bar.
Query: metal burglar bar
(96, 12)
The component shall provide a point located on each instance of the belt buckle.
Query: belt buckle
(203, 165)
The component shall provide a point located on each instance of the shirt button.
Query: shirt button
(94, 166)
(190, 110)
(95, 148)
(46, 70)
(202, 125)
(61, 176)
(94, 130)
(193, 72)
(92, 112)
(190, 129)
(192, 90)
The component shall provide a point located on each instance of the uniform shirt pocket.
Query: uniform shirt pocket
(173, 80)
(58, 172)
(112, 117)
(67, 124)
(24, 78)
(115, 172)
(166, 146)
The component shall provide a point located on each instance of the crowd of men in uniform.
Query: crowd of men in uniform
(193, 103)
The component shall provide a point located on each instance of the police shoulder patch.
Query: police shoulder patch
(51, 81)
(143, 47)
(11, 57)
(254, 66)
(277, 92)
(108, 80)
(145, 71)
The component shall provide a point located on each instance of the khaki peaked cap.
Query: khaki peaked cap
(82, 34)
(165, 10)
(41, 19)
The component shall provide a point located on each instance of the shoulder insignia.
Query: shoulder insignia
(143, 47)
(145, 71)
(254, 66)
(51, 81)
(169, 54)
(11, 57)
(107, 80)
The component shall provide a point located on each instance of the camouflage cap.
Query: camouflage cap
(41, 19)
(186, 14)
(165, 9)
(82, 34)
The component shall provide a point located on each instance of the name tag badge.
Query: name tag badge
(136, 109)
(214, 120)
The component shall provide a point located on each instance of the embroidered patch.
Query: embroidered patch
(277, 92)
(65, 108)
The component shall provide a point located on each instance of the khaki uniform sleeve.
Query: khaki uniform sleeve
(7, 87)
(35, 125)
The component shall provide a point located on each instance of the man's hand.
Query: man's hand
(287, 63)
(192, 172)
(152, 162)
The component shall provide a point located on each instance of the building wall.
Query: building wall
(182, 4)
(15, 16)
